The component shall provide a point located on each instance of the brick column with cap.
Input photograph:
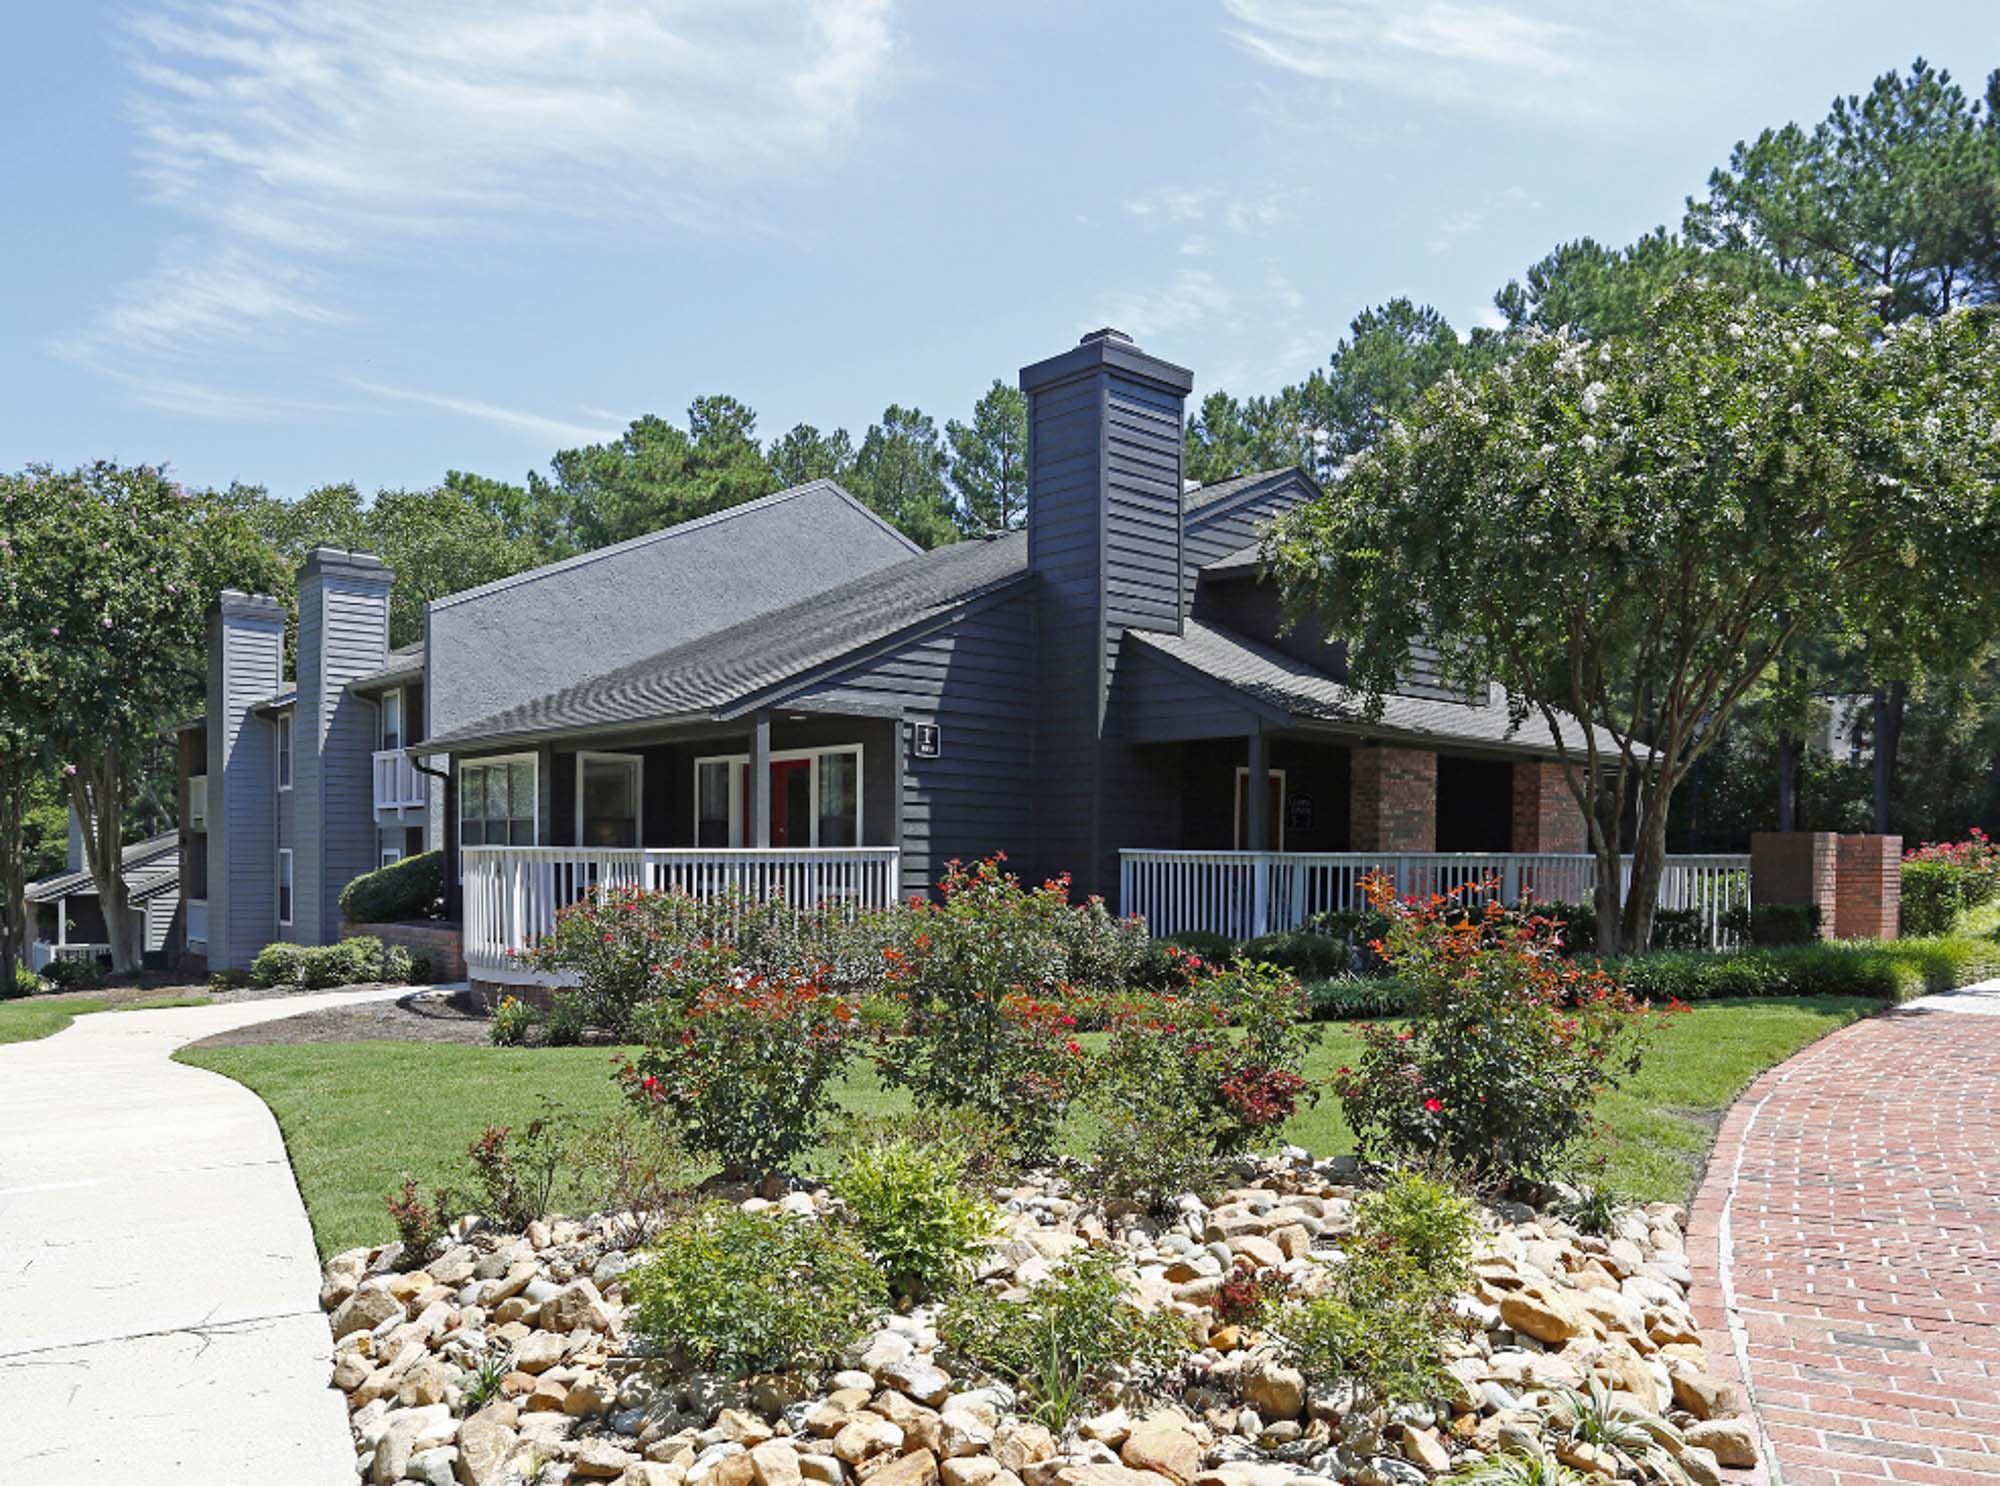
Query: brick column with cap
(1868, 891)
(1393, 799)
(1546, 817)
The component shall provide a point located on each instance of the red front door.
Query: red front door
(791, 802)
(1274, 822)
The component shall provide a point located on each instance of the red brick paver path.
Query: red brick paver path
(1846, 1249)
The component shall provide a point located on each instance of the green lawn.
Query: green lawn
(42, 1016)
(357, 1116)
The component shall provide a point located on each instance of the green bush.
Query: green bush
(410, 889)
(1352, 997)
(514, 1023)
(279, 964)
(1770, 924)
(71, 975)
(1068, 1341)
(1938, 894)
(566, 1020)
(1308, 956)
(1886, 970)
(230, 980)
(907, 1203)
(744, 1292)
(1386, 1317)
(25, 983)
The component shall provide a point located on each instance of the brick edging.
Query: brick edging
(1710, 1255)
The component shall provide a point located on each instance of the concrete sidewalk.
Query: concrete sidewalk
(159, 1292)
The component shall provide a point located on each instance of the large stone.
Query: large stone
(1162, 1445)
(1733, 1442)
(1549, 1316)
(484, 1442)
(1703, 1396)
(1104, 1475)
(598, 1459)
(1424, 1448)
(967, 1425)
(918, 1468)
(866, 1435)
(408, 1432)
(970, 1470)
(922, 1380)
(775, 1463)
(1273, 1390)
(575, 1307)
(1020, 1443)
(365, 1309)
(1699, 1466)
(539, 1351)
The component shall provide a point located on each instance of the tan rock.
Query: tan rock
(1732, 1442)
(1548, 1316)
(1294, 1241)
(1699, 1466)
(918, 1468)
(539, 1351)
(969, 1470)
(1020, 1443)
(821, 1470)
(745, 1429)
(1703, 1396)
(598, 1459)
(775, 1463)
(1163, 1445)
(589, 1396)
(1105, 1475)
(646, 1473)
(575, 1307)
(425, 1384)
(867, 1435)
(365, 1309)
(484, 1442)
(350, 1370)
(1259, 1250)
(547, 1398)
(1422, 1447)
(1273, 1390)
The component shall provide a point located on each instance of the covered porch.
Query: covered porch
(794, 805)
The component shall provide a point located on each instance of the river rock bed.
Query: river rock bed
(579, 1403)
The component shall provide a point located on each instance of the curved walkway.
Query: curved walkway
(1846, 1245)
(159, 1290)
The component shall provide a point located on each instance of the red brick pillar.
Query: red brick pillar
(1796, 867)
(1546, 817)
(1392, 800)
(1868, 890)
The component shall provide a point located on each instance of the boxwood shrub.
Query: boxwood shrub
(1893, 970)
(411, 888)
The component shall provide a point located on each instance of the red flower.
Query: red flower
(1434, 1105)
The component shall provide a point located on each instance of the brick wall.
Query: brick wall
(444, 943)
(1796, 867)
(1868, 891)
(1393, 799)
(1546, 817)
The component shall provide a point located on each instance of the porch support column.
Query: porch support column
(760, 780)
(62, 923)
(1257, 795)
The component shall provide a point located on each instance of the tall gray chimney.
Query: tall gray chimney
(343, 634)
(1104, 538)
(246, 656)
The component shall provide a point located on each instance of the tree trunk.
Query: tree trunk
(1605, 843)
(13, 877)
(1788, 782)
(1888, 708)
(96, 789)
(1649, 860)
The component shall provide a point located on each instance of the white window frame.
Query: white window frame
(739, 808)
(391, 855)
(287, 892)
(533, 760)
(1242, 792)
(638, 763)
(382, 742)
(285, 736)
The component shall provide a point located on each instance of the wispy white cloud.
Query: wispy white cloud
(1238, 213)
(295, 142)
(1486, 53)
(550, 430)
(1193, 297)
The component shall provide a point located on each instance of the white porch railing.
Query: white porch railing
(397, 782)
(197, 920)
(512, 893)
(1247, 893)
(41, 953)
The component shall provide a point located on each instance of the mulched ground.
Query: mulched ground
(421, 1016)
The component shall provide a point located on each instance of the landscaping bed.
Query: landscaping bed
(522, 1356)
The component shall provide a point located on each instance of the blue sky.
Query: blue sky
(374, 240)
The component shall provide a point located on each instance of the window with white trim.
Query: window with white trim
(285, 751)
(392, 719)
(610, 790)
(285, 885)
(391, 856)
(497, 802)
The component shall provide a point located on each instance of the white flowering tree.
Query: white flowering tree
(106, 575)
(1635, 532)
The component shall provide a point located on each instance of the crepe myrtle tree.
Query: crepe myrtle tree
(1636, 531)
(103, 617)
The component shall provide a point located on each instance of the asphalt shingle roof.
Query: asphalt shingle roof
(404, 662)
(149, 865)
(1290, 685)
(712, 673)
(1204, 496)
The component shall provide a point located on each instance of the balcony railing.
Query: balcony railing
(512, 893)
(397, 782)
(1247, 893)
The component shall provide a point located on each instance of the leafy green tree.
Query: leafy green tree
(899, 473)
(437, 543)
(539, 519)
(805, 454)
(989, 461)
(103, 631)
(1593, 291)
(1612, 530)
(656, 475)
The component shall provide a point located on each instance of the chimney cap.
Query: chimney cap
(1105, 333)
(1107, 350)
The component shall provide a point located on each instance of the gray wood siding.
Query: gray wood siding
(976, 680)
(343, 634)
(245, 656)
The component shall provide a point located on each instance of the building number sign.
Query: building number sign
(925, 741)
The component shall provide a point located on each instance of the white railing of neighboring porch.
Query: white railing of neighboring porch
(512, 893)
(1247, 893)
(41, 953)
(397, 782)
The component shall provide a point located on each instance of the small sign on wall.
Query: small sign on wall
(924, 740)
(1299, 813)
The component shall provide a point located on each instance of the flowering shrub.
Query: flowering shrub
(1248, 1295)
(513, 1023)
(1944, 880)
(1197, 1071)
(743, 1062)
(985, 975)
(1500, 1072)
